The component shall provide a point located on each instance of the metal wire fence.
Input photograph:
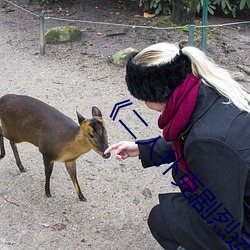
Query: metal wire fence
(191, 28)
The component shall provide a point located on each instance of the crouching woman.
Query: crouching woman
(205, 122)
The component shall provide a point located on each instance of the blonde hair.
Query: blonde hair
(203, 68)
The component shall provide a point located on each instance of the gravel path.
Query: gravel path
(118, 197)
(72, 77)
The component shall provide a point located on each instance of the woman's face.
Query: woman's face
(156, 106)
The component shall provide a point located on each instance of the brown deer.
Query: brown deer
(59, 138)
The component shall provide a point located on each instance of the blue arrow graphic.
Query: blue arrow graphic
(119, 107)
(127, 128)
(140, 117)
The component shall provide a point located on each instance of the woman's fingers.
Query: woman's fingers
(120, 148)
(123, 150)
(113, 147)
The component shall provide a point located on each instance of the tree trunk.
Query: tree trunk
(183, 11)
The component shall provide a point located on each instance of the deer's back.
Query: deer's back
(24, 118)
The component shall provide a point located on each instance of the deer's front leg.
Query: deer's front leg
(71, 168)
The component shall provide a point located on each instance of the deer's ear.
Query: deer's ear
(96, 112)
(80, 118)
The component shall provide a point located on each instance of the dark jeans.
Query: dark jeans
(160, 230)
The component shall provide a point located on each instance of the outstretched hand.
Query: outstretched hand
(124, 150)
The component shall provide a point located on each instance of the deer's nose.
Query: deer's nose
(106, 156)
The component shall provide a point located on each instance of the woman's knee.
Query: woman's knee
(156, 223)
(154, 217)
(160, 230)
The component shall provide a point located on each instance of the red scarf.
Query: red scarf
(176, 115)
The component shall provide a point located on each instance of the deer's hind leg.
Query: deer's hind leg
(18, 161)
(1, 144)
(71, 168)
(48, 164)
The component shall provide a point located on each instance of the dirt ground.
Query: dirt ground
(77, 76)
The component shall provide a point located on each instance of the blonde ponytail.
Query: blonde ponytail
(217, 78)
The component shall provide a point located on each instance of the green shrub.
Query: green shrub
(211, 7)
(157, 6)
(232, 6)
(165, 6)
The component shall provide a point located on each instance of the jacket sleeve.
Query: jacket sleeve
(221, 173)
(160, 149)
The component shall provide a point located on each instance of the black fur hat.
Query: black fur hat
(156, 83)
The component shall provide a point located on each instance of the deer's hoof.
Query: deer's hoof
(82, 198)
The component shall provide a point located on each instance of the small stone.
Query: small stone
(62, 34)
(121, 58)
(9, 243)
(2, 3)
(244, 68)
(58, 227)
(136, 201)
(147, 193)
(239, 76)
(44, 225)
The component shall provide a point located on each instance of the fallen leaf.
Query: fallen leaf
(147, 15)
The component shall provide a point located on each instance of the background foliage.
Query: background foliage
(227, 6)
(165, 6)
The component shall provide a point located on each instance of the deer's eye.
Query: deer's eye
(91, 136)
